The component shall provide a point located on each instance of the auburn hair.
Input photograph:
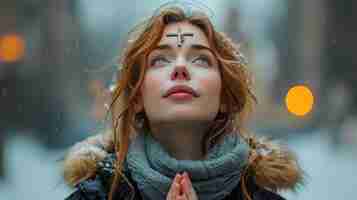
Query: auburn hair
(236, 92)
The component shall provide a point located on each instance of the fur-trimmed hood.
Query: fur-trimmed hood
(272, 166)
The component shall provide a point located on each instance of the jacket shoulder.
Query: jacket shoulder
(255, 191)
(98, 187)
(264, 194)
(90, 189)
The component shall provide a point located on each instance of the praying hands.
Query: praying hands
(181, 188)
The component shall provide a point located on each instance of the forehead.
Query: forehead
(181, 28)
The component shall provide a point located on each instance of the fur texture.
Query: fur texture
(81, 160)
(274, 166)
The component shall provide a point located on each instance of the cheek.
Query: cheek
(150, 87)
(212, 85)
(211, 90)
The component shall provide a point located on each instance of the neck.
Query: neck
(181, 141)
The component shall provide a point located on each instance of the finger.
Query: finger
(179, 178)
(176, 191)
(188, 179)
(178, 181)
(174, 188)
(187, 190)
(177, 186)
(187, 185)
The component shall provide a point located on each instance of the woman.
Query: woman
(177, 111)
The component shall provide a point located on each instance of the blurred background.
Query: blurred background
(57, 61)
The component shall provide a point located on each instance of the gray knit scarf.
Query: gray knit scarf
(153, 169)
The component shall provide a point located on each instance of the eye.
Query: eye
(202, 60)
(159, 60)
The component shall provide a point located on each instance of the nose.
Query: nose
(180, 72)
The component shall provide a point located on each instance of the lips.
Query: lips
(181, 88)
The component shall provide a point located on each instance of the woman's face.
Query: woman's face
(182, 57)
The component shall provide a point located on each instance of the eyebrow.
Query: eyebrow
(192, 47)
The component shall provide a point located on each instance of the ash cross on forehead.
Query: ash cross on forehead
(180, 36)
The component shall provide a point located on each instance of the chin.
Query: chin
(184, 117)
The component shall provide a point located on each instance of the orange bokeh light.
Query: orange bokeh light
(12, 48)
(299, 100)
